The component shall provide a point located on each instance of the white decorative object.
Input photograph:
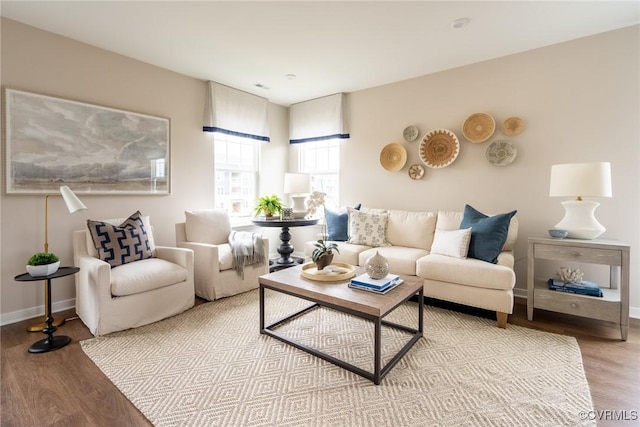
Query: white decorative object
(43, 270)
(580, 180)
(298, 186)
(570, 274)
(377, 266)
(315, 200)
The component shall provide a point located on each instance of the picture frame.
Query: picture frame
(93, 149)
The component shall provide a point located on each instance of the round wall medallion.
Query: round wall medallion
(478, 127)
(393, 157)
(439, 148)
(512, 126)
(501, 152)
(410, 133)
(416, 172)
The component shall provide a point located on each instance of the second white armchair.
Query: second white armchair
(206, 232)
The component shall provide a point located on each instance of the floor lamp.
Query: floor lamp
(73, 205)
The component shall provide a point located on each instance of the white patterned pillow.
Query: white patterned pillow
(453, 243)
(367, 228)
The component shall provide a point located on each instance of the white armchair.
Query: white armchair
(206, 232)
(133, 294)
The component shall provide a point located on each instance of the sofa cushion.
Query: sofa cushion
(337, 224)
(411, 229)
(145, 275)
(367, 228)
(120, 244)
(207, 226)
(453, 243)
(488, 233)
(402, 260)
(469, 272)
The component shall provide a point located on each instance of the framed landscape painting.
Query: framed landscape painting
(51, 142)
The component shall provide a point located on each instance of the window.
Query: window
(321, 159)
(236, 174)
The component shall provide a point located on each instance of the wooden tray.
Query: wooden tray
(336, 272)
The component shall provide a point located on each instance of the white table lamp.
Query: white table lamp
(580, 180)
(298, 186)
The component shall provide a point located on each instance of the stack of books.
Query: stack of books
(583, 287)
(380, 286)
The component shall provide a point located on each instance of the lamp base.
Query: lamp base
(298, 205)
(579, 220)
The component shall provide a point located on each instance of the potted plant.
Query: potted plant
(269, 205)
(43, 264)
(322, 255)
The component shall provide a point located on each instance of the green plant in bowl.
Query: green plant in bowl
(43, 264)
(268, 205)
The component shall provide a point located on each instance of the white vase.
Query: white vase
(43, 270)
(377, 266)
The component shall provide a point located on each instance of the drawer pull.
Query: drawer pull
(576, 254)
(574, 305)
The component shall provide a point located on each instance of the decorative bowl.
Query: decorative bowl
(42, 270)
(558, 234)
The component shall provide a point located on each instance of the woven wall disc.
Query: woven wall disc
(512, 126)
(478, 127)
(439, 148)
(393, 157)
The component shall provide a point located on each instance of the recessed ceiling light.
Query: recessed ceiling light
(290, 76)
(460, 23)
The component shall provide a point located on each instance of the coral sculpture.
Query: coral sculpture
(568, 275)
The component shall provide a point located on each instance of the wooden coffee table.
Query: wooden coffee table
(338, 296)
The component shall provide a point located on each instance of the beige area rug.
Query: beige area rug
(210, 367)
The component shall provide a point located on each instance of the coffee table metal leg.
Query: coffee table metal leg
(377, 352)
(261, 309)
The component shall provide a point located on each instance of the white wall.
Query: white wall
(42, 62)
(580, 102)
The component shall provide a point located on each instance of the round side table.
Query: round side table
(50, 343)
(285, 249)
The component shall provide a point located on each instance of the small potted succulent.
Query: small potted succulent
(322, 255)
(269, 205)
(43, 264)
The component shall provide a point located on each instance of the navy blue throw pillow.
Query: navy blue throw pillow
(488, 233)
(337, 224)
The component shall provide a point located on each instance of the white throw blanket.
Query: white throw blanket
(247, 249)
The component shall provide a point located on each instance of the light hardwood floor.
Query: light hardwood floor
(64, 388)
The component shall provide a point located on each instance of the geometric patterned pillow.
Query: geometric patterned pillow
(121, 244)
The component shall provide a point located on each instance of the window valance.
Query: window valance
(318, 119)
(234, 112)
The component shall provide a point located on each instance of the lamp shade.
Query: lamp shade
(580, 180)
(71, 200)
(297, 183)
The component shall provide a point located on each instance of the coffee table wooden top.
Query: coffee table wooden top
(339, 294)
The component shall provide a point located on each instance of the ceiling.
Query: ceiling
(329, 46)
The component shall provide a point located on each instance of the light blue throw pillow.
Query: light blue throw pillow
(337, 224)
(488, 233)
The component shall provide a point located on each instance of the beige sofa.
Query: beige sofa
(469, 281)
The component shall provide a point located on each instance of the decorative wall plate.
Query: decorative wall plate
(416, 171)
(501, 152)
(393, 157)
(478, 127)
(439, 148)
(512, 126)
(410, 133)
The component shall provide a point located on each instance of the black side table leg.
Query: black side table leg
(285, 249)
(50, 343)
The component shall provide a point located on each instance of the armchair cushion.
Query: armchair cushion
(142, 276)
(207, 226)
(120, 244)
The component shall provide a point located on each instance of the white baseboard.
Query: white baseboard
(634, 312)
(33, 312)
